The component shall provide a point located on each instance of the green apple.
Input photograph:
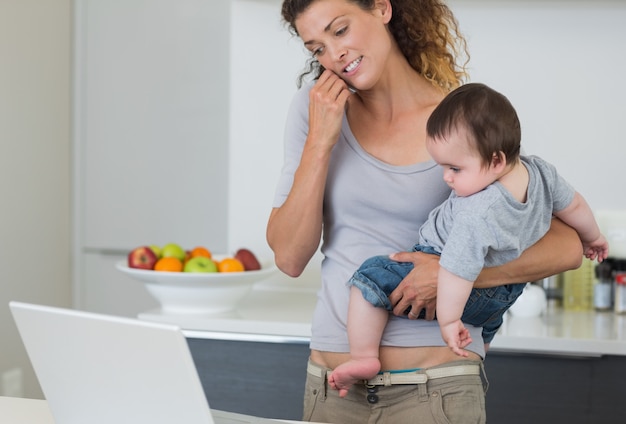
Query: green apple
(173, 249)
(156, 249)
(200, 264)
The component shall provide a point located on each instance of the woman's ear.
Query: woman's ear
(384, 8)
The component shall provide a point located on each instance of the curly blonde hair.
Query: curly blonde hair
(425, 30)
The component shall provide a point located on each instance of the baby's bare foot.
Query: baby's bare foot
(347, 374)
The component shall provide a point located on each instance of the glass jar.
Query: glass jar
(603, 287)
(578, 287)
(620, 286)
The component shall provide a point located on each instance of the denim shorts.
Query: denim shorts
(378, 276)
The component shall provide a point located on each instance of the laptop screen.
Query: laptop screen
(96, 368)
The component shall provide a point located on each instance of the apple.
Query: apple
(142, 257)
(200, 264)
(248, 259)
(156, 249)
(173, 249)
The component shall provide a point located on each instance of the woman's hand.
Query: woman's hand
(418, 290)
(327, 102)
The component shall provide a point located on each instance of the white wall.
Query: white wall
(34, 167)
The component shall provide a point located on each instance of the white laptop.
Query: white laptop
(97, 368)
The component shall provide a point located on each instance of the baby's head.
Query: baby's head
(485, 116)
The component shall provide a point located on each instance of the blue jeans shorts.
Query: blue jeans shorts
(378, 276)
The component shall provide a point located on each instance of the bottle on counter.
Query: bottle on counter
(554, 293)
(603, 287)
(619, 276)
(578, 287)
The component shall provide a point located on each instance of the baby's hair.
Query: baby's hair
(487, 116)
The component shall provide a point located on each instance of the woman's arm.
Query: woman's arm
(294, 229)
(559, 250)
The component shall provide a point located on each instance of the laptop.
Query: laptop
(96, 368)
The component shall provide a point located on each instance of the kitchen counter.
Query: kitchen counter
(561, 332)
(281, 313)
(36, 411)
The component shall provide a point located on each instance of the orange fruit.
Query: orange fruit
(230, 265)
(169, 264)
(200, 251)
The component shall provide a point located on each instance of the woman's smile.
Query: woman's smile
(353, 65)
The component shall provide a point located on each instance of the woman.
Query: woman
(358, 177)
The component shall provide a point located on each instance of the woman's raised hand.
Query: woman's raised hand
(327, 102)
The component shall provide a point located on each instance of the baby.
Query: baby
(501, 204)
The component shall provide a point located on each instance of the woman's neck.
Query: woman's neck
(399, 90)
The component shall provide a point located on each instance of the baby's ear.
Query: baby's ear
(498, 161)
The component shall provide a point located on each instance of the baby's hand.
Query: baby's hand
(597, 249)
(457, 337)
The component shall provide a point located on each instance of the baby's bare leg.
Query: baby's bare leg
(365, 328)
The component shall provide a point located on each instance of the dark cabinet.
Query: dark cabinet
(265, 379)
(537, 389)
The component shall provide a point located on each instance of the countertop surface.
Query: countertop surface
(36, 411)
(282, 313)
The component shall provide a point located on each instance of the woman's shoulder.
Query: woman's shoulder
(299, 106)
(298, 115)
(301, 96)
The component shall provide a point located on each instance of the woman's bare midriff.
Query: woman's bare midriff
(397, 358)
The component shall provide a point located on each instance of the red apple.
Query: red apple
(142, 257)
(248, 259)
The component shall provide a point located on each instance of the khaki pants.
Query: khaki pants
(449, 400)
